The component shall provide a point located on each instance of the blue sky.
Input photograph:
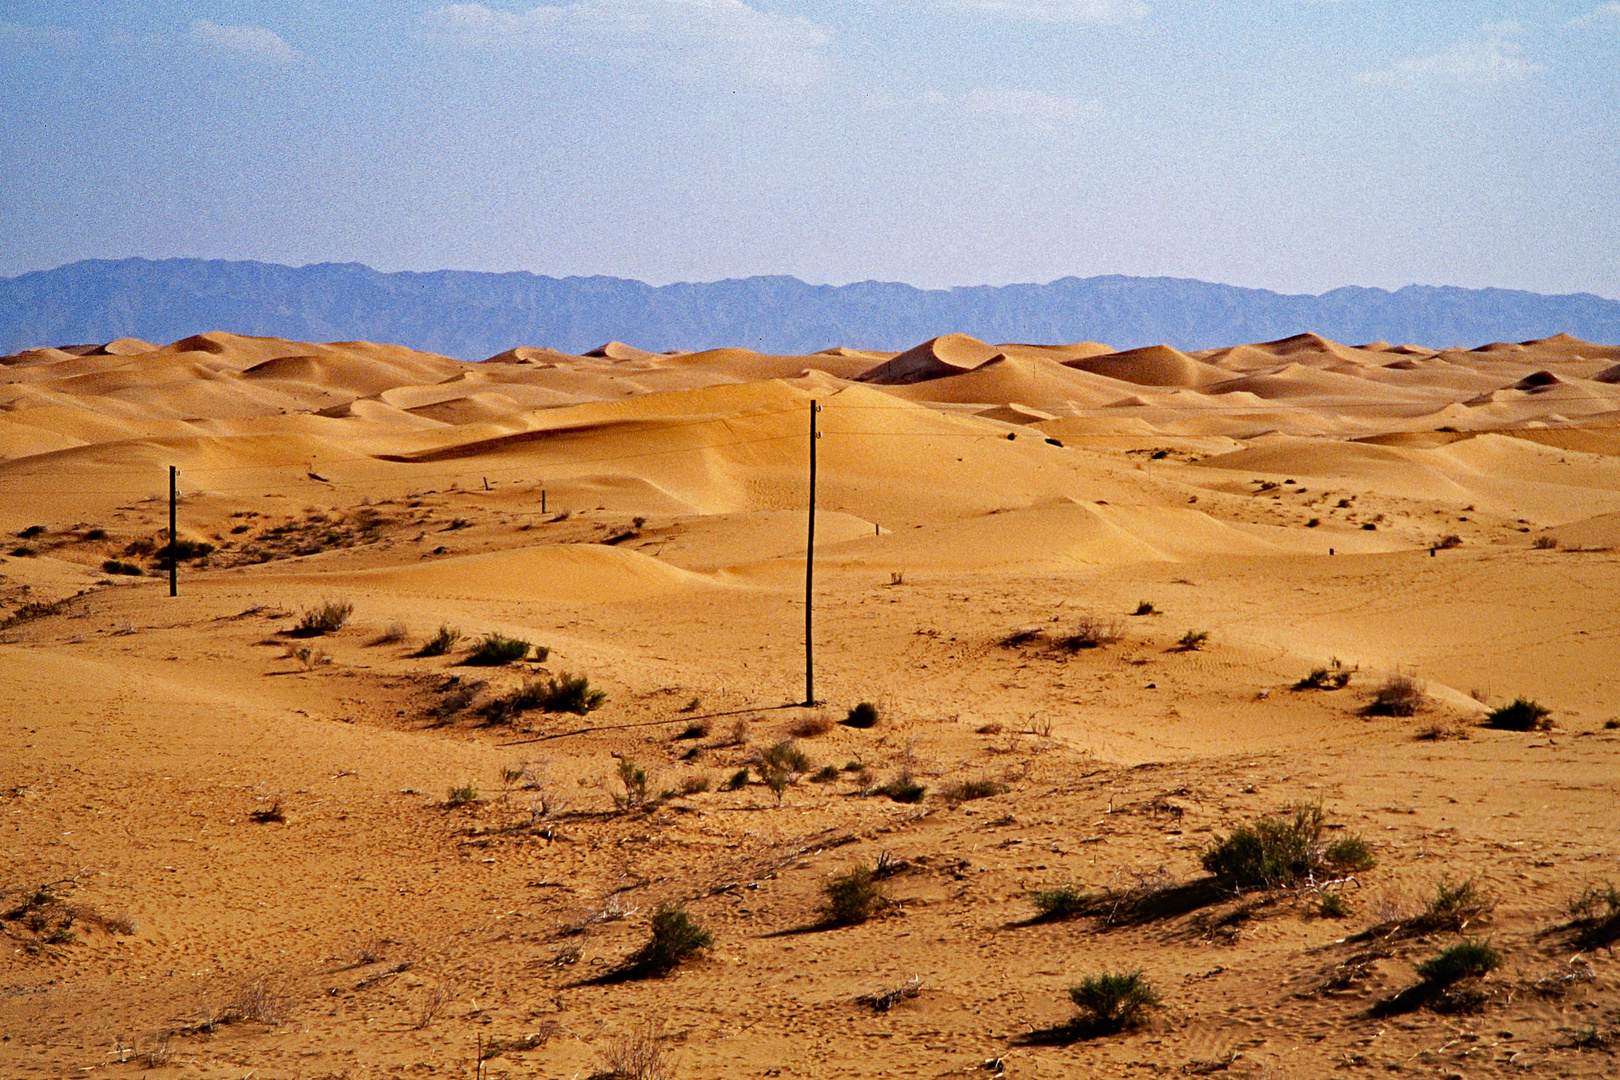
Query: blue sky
(1296, 145)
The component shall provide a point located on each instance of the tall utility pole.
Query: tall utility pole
(810, 568)
(174, 540)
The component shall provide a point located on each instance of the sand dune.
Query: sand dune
(1081, 587)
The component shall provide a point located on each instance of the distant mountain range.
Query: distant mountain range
(474, 315)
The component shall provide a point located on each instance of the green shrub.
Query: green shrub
(1282, 852)
(493, 650)
(675, 937)
(1464, 960)
(1112, 1002)
(967, 790)
(852, 897)
(1323, 679)
(327, 617)
(1333, 906)
(825, 775)
(1595, 902)
(440, 643)
(463, 795)
(1453, 907)
(864, 715)
(902, 789)
(1060, 902)
(570, 694)
(737, 780)
(695, 785)
(1522, 714)
(784, 757)
(634, 779)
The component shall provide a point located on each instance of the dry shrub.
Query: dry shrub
(1091, 632)
(327, 617)
(967, 790)
(392, 634)
(1400, 695)
(1522, 714)
(812, 726)
(256, 1001)
(637, 1054)
(433, 1002)
(852, 897)
(886, 999)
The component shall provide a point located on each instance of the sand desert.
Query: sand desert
(1110, 610)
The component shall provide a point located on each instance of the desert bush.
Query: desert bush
(887, 998)
(695, 729)
(441, 642)
(784, 757)
(327, 617)
(23, 551)
(1283, 852)
(812, 726)
(1145, 607)
(695, 785)
(737, 780)
(1449, 541)
(1594, 902)
(392, 634)
(255, 1001)
(1442, 732)
(570, 694)
(864, 715)
(1323, 679)
(96, 534)
(902, 789)
(31, 532)
(1466, 959)
(1453, 908)
(1400, 695)
(825, 775)
(1522, 714)
(428, 1008)
(1333, 906)
(113, 566)
(967, 790)
(1092, 633)
(1545, 543)
(272, 814)
(462, 795)
(1022, 636)
(1192, 640)
(495, 649)
(310, 658)
(634, 779)
(1114, 1002)
(851, 897)
(1060, 902)
(675, 938)
(637, 1054)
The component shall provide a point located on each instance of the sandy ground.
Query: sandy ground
(231, 850)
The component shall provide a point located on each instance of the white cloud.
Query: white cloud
(1493, 58)
(1046, 11)
(245, 42)
(15, 34)
(1009, 104)
(685, 38)
(1604, 16)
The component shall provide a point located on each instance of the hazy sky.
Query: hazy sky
(1296, 145)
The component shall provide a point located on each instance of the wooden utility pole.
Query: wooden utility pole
(810, 568)
(174, 540)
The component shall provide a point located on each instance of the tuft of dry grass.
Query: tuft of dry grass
(1091, 632)
(812, 726)
(327, 617)
(637, 1054)
(255, 1001)
(432, 1003)
(1400, 695)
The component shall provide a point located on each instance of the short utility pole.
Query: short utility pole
(810, 568)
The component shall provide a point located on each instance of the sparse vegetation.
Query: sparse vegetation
(852, 897)
(1192, 640)
(1544, 543)
(272, 814)
(737, 780)
(495, 649)
(1283, 852)
(695, 785)
(571, 694)
(1323, 679)
(1114, 1002)
(634, 779)
(441, 642)
(433, 1000)
(675, 938)
(1449, 541)
(902, 789)
(811, 727)
(864, 715)
(884, 1000)
(1145, 607)
(695, 729)
(327, 617)
(825, 775)
(967, 790)
(1333, 906)
(637, 1054)
(256, 1001)
(1522, 714)
(1453, 908)
(1399, 695)
(1595, 911)
(1091, 632)
(462, 795)
(114, 566)
(1464, 960)
(1061, 902)
(392, 634)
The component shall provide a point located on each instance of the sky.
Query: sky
(1295, 145)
